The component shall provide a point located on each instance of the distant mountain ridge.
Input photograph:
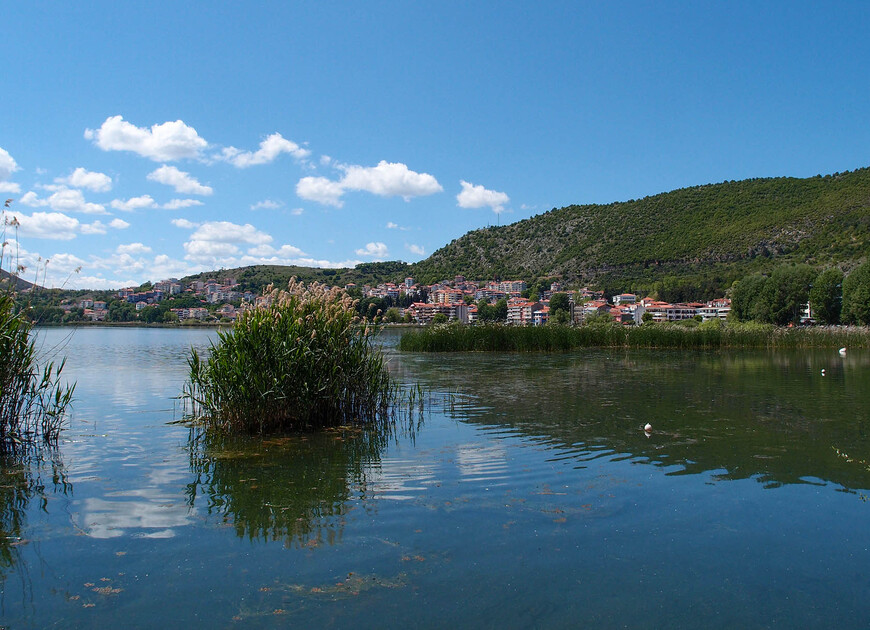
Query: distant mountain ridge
(690, 243)
(703, 236)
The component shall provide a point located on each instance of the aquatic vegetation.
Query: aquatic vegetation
(33, 402)
(304, 362)
(505, 338)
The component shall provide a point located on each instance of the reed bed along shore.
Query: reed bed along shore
(304, 363)
(503, 338)
(33, 400)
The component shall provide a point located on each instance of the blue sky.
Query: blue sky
(144, 140)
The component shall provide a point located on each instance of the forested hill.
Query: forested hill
(699, 239)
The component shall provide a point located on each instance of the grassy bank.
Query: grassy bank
(503, 338)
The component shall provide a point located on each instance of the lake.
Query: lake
(527, 495)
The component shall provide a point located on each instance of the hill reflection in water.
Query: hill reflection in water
(772, 416)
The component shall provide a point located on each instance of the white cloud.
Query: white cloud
(7, 165)
(269, 150)
(375, 250)
(297, 211)
(50, 225)
(320, 189)
(479, 197)
(181, 181)
(267, 204)
(81, 178)
(165, 142)
(390, 179)
(387, 179)
(396, 226)
(416, 249)
(133, 249)
(63, 200)
(285, 251)
(134, 203)
(226, 232)
(177, 204)
(184, 224)
(209, 251)
(98, 227)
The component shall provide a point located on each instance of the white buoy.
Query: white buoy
(842, 352)
(648, 427)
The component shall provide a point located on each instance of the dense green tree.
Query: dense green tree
(118, 311)
(856, 296)
(392, 315)
(745, 296)
(786, 293)
(492, 312)
(439, 318)
(560, 317)
(826, 296)
(559, 302)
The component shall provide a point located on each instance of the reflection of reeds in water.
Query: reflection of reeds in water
(710, 335)
(26, 475)
(294, 488)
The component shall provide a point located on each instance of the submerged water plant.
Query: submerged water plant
(304, 362)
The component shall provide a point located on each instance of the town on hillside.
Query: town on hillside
(458, 300)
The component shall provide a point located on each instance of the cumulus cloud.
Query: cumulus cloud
(63, 200)
(226, 232)
(134, 203)
(267, 204)
(7, 167)
(134, 249)
(184, 224)
(374, 250)
(285, 251)
(98, 227)
(81, 178)
(320, 189)
(49, 225)
(177, 204)
(165, 142)
(297, 211)
(7, 164)
(387, 179)
(416, 249)
(269, 150)
(473, 196)
(181, 181)
(390, 179)
(396, 226)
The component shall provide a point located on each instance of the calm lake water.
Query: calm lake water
(529, 496)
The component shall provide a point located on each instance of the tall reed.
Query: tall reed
(304, 362)
(504, 338)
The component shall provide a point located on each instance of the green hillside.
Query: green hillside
(256, 277)
(691, 242)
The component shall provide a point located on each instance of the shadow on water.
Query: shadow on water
(772, 416)
(28, 476)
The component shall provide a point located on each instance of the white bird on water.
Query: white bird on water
(842, 352)
(648, 427)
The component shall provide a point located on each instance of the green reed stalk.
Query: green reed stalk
(551, 338)
(305, 362)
